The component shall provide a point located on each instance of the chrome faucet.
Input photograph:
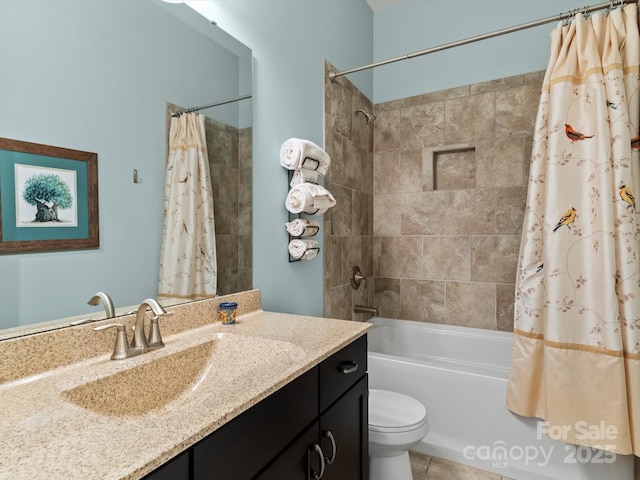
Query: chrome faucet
(139, 338)
(106, 301)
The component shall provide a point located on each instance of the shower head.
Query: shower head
(368, 116)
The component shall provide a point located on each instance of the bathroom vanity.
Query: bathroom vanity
(319, 417)
(274, 396)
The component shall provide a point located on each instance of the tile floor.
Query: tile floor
(424, 467)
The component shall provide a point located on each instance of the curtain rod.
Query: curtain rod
(202, 107)
(557, 18)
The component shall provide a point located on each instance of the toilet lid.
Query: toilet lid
(394, 411)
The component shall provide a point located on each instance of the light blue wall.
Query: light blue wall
(96, 76)
(289, 40)
(416, 25)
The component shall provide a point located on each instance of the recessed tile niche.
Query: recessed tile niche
(450, 168)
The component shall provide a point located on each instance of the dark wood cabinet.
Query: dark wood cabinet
(344, 435)
(175, 469)
(314, 427)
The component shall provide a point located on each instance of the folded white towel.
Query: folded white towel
(309, 198)
(303, 175)
(303, 249)
(302, 227)
(297, 153)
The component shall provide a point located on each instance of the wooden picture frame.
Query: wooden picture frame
(48, 198)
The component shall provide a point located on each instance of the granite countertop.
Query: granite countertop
(47, 434)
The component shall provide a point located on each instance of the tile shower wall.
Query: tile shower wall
(229, 151)
(348, 227)
(449, 191)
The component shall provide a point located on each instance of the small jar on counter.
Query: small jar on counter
(228, 312)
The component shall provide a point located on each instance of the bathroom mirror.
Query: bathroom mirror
(100, 77)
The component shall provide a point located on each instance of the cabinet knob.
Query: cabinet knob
(334, 448)
(348, 367)
(318, 449)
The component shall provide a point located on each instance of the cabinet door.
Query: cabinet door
(346, 425)
(245, 445)
(297, 461)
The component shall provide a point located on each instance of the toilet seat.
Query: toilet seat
(393, 412)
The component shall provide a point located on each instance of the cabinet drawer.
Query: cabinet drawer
(341, 371)
(242, 447)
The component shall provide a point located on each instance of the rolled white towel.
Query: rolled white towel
(303, 175)
(303, 249)
(309, 198)
(297, 153)
(302, 227)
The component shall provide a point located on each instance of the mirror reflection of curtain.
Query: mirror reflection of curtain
(576, 352)
(188, 265)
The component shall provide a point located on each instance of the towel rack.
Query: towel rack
(292, 217)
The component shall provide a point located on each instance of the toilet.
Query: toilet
(397, 422)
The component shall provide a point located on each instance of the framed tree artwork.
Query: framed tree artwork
(48, 198)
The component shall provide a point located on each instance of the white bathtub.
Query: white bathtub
(460, 374)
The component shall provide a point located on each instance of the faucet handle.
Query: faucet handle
(155, 339)
(121, 349)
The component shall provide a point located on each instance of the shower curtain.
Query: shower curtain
(576, 350)
(188, 265)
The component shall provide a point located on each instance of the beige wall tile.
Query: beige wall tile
(335, 149)
(510, 204)
(386, 296)
(338, 100)
(423, 213)
(423, 300)
(367, 174)
(446, 258)
(494, 258)
(470, 212)
(422, 126)
(341, 307)
(352, 166)
(387, 214)
(341, 213)
(387, 131)
(469, 119)
(500, 162)
(397, 172)
(401, 257)
(471, 304)
(333, 263)
(516, 110)
(362, 213)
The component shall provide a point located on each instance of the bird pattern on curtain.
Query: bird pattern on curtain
(576, 350)
(188, 264)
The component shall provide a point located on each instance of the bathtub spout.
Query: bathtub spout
(365, 309)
